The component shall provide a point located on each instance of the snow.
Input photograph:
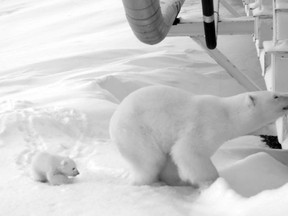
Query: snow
(65, 67)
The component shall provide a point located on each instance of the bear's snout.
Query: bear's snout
(76, 173)
(282, 99)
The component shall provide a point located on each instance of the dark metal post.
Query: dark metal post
(209, 23)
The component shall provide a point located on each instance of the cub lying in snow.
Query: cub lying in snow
(53, 168)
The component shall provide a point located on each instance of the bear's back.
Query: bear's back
(43, 162)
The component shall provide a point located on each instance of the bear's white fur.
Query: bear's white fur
(52, 168)
(169, 134)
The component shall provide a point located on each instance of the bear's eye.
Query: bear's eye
(276, 96)
(74, 169)
(252, 99)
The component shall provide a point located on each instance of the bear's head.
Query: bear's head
(254, 110)
(262, 108)
(68, 167)
(267, 105)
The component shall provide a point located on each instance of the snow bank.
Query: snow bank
(65, 66)
(256, 173)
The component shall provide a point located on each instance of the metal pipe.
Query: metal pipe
(209, 23)
(151, 20)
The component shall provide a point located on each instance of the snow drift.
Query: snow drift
(65, 66)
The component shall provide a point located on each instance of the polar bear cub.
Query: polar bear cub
(54, 169)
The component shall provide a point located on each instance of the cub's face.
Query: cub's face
(68, 167)
(268, 105)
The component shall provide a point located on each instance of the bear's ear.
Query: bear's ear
(64, 162)
(252, 100)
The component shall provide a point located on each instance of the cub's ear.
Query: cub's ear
(64, 162)
(252, 100)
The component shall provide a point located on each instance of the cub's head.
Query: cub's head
(68, 167)
(266, 105)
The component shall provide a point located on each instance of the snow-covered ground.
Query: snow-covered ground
(65, 66)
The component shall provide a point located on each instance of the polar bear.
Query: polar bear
(52, 168)
(168, 134)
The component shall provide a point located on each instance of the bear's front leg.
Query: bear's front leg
(194, 166)
(57, 179)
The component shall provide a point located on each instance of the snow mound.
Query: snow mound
(65, 67)
(255, 174)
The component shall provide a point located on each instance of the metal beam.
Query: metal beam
(230, 8)
(231, 26)
(222, 60)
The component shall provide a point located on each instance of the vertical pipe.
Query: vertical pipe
(209, 23)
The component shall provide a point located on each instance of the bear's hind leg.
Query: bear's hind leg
(145, 165)
(146, 171)
(144, 156)
(193, 165)
(170, 174)
(141, 177)
(38, 176)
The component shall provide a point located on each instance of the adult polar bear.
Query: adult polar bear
(168, 134)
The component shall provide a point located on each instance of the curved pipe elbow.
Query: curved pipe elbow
(150, 20)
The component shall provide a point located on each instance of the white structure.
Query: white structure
(261, 24)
